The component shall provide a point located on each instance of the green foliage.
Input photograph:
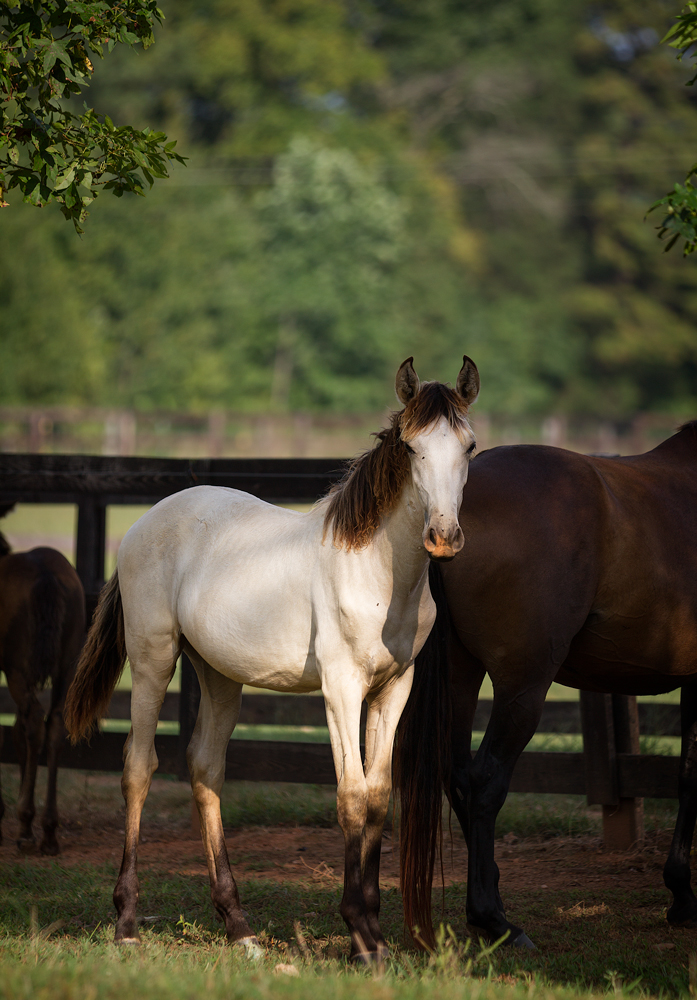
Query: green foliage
(332, 237)
(240, 78)
(46, 150)
(369, 181)
(680, 220)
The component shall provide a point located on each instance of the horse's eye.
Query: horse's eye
(471, 449)
(409, 449)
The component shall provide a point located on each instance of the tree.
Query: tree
(46, 150)
(680, 204)
(333, 234)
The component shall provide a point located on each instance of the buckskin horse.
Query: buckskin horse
(335, 599)
(576, 569)
(42, 625)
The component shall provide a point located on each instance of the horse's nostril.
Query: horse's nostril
(432, 537)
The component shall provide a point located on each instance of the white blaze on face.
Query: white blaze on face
(439, 465)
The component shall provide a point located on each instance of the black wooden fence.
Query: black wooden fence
(610, 772)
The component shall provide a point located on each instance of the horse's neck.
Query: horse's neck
(399, 542)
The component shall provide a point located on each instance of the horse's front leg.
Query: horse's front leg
(514, 718)
(343, 697)
(385, 708)
(466, 676)
(676, 874)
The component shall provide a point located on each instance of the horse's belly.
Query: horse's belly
(268, 645)
(635, 653)
(587, 673)
(259, 664)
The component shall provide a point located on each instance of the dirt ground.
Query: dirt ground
(316, 854)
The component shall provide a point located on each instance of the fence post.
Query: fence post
(89, 549)
(610, 725)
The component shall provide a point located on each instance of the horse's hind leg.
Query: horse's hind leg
(2, 802)
(28, 736)
(72, 638)
(676, 874)
(217, 717)
(151, 672)
(55, 737)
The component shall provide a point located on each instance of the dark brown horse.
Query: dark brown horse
(576, 569)
(42, 627)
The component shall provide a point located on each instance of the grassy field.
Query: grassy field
(595, 935)
(54, 943)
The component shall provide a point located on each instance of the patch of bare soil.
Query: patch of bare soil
(316, 855)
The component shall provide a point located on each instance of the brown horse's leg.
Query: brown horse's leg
(28, 736)
(676, 874)
(514, 718)
(2, 802)
(384, 711)
(466, 676)
(72, 637)
(217, 717)
(55, 736)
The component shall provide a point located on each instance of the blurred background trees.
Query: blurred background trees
(367, 181)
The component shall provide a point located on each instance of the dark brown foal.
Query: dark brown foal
(42, 627)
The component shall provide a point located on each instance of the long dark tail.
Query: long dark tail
(100, 665)
(49, 603)
(422, 764)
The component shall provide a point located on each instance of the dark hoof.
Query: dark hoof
(523, 941)
(686, 917)
(26, 845)
(51, 849)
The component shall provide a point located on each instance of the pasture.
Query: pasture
(598, 917)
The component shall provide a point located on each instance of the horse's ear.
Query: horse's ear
(468, 380)
(407, 382)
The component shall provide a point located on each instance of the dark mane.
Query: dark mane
(691, 425)
(374, 481)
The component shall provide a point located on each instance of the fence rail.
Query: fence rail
(655, 719)
(610, 772)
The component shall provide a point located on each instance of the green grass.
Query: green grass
(581, 947)
(599, 938)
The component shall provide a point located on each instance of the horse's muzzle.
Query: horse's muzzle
(442, 548)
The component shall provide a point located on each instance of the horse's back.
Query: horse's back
(230, 573)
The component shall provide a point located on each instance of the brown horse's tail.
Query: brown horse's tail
(100, 665)
(49, 602)
(422, 764)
